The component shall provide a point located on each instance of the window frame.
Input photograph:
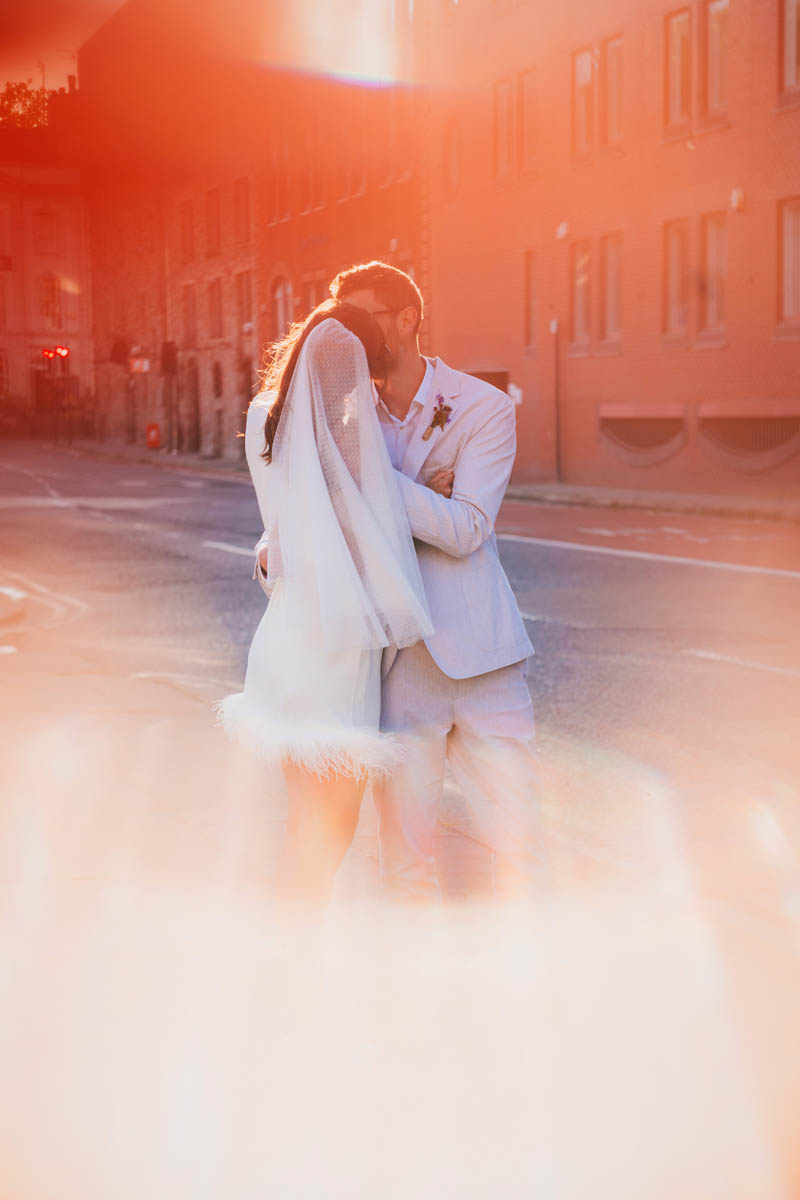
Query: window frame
(789, 91)
(708, 328)
(609, 339)
(580, 343)
(583, 153)
(788, 322)
(713, 112)
(670, 333)
(677, 127)
(503, 170)
(213, 222)
(527, 119)
(607, 142)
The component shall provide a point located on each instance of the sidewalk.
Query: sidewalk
(771, 508)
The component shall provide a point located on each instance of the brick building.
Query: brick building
(615, 223)
(600, 200)
(226, 185)
(45, 299)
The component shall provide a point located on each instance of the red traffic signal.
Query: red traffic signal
(62, 351)
(47, 353)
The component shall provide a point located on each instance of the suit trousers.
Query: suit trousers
(483, 728)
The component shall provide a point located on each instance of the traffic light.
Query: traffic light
(48, 353)
(62, 351)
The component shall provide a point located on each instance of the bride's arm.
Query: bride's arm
(460, 525)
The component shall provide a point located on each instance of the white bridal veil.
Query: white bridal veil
(338, 526)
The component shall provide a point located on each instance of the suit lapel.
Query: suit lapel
(444, 384)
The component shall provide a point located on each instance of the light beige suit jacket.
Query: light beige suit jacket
(477, 623)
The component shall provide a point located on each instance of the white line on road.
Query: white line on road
(231, 549)
(34, 475)
(541, 619)
(648, 555)
(742, 662)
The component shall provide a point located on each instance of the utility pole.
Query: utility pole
(555, 330)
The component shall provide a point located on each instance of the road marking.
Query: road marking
(13, 593)
(712, 656)
(648, 556)
(34, 475)
(541, 619)
(8, 649)
(231, 549)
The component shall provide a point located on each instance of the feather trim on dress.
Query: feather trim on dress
(323, 750)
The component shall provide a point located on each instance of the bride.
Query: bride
(343, 583)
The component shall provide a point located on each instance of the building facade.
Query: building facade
(222, 206)
(615, 223)
(46, 364)
(600, 201)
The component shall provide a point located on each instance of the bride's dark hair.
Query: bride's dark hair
(282, 356)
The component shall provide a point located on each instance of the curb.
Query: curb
(783, 510)
(158, 459)
(713, 506)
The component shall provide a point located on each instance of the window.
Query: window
(791, 43)
(790, 260)
(187, 231)
(45, 232)
(611, 287)
(387, 104)
(189, 315)
(716, 66)
(503, 122)
(244, 298)
(212, 222)
(215, 308)
(405, 134)
(715, 270)
(279, 174)
(357, 175)
(281, 307)
(452, 155)
(677, 96)
(318, 160)
(241, 210)
(526, 106)
(676, 278)
(529, 312)
(50, 299)
(611, 92)
(582, 103)
(580, 290)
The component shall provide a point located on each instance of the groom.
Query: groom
(460, 697)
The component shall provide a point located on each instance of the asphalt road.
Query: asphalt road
(664, 979)
(685, 669)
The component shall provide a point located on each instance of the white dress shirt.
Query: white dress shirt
(397, 434)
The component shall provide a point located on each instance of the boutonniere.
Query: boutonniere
(441, 416)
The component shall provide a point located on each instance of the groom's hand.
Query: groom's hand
(442, 482)
(262, 559)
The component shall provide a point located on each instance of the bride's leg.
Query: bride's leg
(322, 819)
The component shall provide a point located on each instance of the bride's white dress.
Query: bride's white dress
(343, 575)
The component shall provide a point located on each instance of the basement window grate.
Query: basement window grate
(750, 435)
(642, 433)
